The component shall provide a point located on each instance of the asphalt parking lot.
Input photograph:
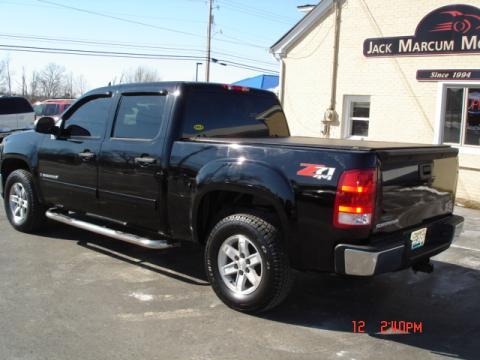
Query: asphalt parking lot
(69, 294)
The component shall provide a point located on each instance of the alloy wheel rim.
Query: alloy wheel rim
(18, 202)
(240, 264)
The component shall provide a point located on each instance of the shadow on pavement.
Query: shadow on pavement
(446, 303)
(184, 263)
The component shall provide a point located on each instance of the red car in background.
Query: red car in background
(53, 108)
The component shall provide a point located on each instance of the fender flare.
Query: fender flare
(24, 159)
(247, 177)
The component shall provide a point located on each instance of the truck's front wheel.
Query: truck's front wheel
(246, 264)
(23, 209)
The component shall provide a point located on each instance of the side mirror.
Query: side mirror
(45, 125)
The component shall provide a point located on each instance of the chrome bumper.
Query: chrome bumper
(395, 253)
(364, 263)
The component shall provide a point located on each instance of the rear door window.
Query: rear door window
(139, 116)
(14, 105)
(233, 114)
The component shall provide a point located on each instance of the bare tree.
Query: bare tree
(24, 82)
(140, 74)
(52, 79)
(8, 74)
(80, 85)
(3, 77)
(68, 86)
(34, 84)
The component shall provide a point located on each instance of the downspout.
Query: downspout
(331, 113)
(282, 81)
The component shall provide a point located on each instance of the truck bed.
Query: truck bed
(312, 142)
(417, 182)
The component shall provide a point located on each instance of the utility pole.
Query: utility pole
(209, 40)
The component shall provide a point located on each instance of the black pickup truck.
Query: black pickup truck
(157, 164)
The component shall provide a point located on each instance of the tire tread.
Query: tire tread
(283, 276)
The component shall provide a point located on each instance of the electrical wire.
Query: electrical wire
(115, 44)
(246, 10)
(113, 54)
(141, 23)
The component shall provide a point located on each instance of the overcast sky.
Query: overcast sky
(244, 30)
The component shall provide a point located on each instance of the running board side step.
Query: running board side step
(112, 233)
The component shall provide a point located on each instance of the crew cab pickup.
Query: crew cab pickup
(157, 164)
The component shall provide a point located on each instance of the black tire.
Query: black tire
(35, 213)
(276, 275)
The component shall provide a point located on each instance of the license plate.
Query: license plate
(418, 238)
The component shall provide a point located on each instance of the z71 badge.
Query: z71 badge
(316, 171)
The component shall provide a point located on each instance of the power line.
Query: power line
(91, 12)
(245, 66)
(109, 12)
(105, 53)
(131, 55)
(256, 12)
(81, 41)
(108, 43)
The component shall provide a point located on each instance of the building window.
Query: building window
(461, 123)
(357, 116)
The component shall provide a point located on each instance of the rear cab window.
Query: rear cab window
(227, 113)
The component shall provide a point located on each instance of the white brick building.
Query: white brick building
(398, 75)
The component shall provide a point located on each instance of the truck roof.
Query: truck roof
(173, 84)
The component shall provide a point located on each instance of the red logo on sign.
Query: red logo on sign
(462, 22)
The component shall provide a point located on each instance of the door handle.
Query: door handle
(86, 155)
(145, 161)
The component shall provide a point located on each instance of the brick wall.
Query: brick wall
(402, 108)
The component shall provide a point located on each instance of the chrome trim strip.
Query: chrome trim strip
(361, 262)
(115, 234)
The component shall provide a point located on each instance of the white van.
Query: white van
(15, 113)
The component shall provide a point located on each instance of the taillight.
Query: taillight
(355, 198)
(236, 88)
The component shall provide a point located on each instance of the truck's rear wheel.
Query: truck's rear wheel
(22, 207)
(246, 264)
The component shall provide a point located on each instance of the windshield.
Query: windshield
(47, 109)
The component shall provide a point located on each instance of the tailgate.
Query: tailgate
(417, 184)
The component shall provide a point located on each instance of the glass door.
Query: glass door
(461, 122)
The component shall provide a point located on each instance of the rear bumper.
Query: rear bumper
(393, 252)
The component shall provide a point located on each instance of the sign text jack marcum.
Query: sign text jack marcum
(450, 29)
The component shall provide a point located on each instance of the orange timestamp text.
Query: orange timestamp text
(390, 327)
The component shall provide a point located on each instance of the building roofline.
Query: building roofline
(305, 24)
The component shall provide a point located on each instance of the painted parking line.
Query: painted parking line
(465, 248)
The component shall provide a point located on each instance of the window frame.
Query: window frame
(163, 93)
(348, 105)
(441, 113)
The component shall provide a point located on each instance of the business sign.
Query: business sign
(446, 75)
(452, 29)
